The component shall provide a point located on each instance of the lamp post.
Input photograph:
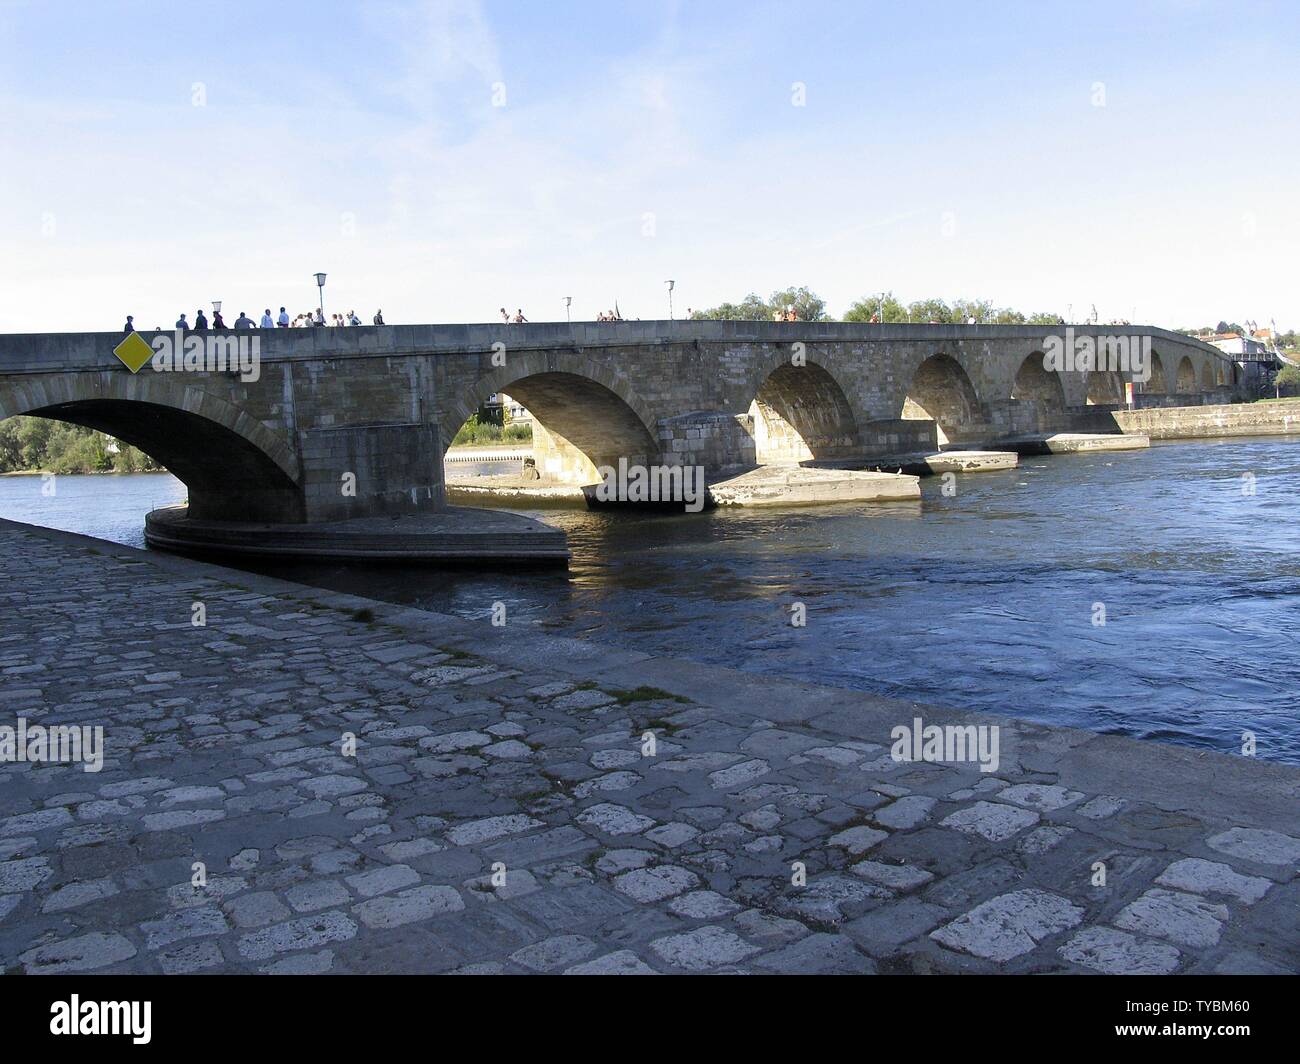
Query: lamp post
(320, 283)
(671, 285)
(216, 306)
(568, 300)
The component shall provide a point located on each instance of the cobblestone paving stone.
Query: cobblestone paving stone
(499, 817)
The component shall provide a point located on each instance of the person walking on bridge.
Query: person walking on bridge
(519, 316)
(130, 327)
(218, 322)
(379, 317)
(200, 322)
(283, 321)
(267, 321)
(244, 321)
(181, 323)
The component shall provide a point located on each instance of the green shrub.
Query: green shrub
(1288, 380)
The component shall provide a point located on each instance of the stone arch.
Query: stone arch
(942, 392)
(1157, 383)
(504, 378)
(235, 467)
(1105, 388)
(583, 415)
(1185, 380)
(1037, 385)
(801, 414)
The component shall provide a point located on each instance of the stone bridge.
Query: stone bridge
(353, 422)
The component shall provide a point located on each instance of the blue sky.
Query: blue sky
(946, 149)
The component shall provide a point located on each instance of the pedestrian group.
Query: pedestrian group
(268, 321)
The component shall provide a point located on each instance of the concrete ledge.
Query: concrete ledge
(513, 489)
(1075, 442)
(955, 461)
(765, 486)
(806, 485)
(1208, 422)
(455, 534)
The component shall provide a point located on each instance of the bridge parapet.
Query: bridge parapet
(37, 352)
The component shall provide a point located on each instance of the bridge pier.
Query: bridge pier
(363, 470)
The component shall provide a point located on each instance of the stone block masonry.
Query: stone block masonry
(1201, 422)
(364, 470)
(726, 395)
(501, 815)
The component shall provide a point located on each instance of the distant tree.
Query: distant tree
(958, 313)
(37, 443)
(926, 310)
(808, 306)
(133, 460)
(34, 437)
(751, 308)
(1288, 380)
(867, 306)
(82, 453)
(11, 446)
(981, 310)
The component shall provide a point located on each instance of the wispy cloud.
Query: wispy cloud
(631, 147)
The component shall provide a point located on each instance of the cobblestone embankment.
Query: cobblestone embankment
(502, 811)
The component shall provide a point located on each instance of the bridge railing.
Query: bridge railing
(46, 352)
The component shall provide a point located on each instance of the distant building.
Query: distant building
(512, 411)
(515, 411)
(1239, 346)
(1255, 356)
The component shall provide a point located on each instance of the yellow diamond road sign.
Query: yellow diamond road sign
(134, 352)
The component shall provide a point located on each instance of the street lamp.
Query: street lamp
(320, 283)
(216, 306)
(568, 300)
(671, 285)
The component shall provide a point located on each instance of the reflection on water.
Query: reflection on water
(983, 601)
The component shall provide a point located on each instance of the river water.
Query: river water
(986, 600)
